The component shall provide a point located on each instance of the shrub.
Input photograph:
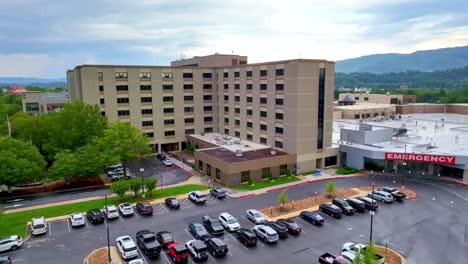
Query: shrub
(288, 173)
(250, 182)
(135, 186)
(283, 198)
(120, 188)
(150, 184)
(190, 148)
(270, 176)
(330, 188)
(346, 170)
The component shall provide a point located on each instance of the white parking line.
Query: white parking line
(214, 260)
(164, 254)
(136, 215)
(14, 260)
(142, 255)
(302, 221)
(248, 220)
(189, 233)
(237, 241)
(329, 217)
(50, 230)
(261, 244)
(68, 223)
(121, 218)
(86, 223)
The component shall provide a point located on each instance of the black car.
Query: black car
(312, 217)
(5, 260)
(147, 242)
(293, 227)
(279, 228)
(370, 204)
(343, 205)
(165, 238)
(397, 195)
(219, 193)
(161, 157)
(144, 208)
(358, 205)
(172, 203)
(246, 237)
(217, 247)
(198, 231)
(331, 210)
(95, 216)
(213, 225)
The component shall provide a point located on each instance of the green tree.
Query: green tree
(288, 173)
(120, 188)
(135, 185)
(249, 181)
(72, 127)
(283, 198)
(30, 128)
(121, 143)
(368, 256)
(19, 162)
(330, 188)
(150, 185)
(190, 148)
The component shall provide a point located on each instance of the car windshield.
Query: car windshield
(201, 196)
(79, 218)
(39, 226)
(166, 237)
(219, 191)
(174, 201)
(344, 203)
(200, 228)
(126, 206)
(257, 215)
(232, 221)
(129, 249)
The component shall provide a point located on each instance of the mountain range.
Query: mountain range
(38, 82)
(424, 60)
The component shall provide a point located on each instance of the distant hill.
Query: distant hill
(424, 60)
(37, 82)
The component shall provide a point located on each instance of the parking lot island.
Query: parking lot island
(100, 256)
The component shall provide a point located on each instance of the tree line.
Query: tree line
(76, 142)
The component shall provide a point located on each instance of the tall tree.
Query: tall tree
(121, 143)
(19, 162)
(30, 128)
(73, 127)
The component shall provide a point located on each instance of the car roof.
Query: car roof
(38, 220)
(197, 192)
(145, 203)
(269, 229)
(77, 215)
(127, 241)
(218, 241)
(226, 215)
(125, 204)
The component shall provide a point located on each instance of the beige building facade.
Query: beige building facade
(36, 103)
(396, 99)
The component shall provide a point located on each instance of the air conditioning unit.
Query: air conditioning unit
(239, 153)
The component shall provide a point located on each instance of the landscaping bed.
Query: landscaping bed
(266, 183)
(391, 256)
(410, 194)
(100, 256)
(346, 171)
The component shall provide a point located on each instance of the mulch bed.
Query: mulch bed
(98, 257)
(391, 257)
(303, 204)
(410, 194)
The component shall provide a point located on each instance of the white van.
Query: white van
(38, 226)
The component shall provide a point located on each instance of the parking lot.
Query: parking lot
(418, 229)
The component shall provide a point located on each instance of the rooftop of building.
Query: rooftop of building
(363, 106)
(228, 142)
(228, 156)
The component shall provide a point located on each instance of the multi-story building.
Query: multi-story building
(286, 105)
(35, 102)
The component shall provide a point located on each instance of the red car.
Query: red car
(179, 253)
(161, 157)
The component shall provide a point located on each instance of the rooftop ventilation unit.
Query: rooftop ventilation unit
(239, 153)
(273, 152)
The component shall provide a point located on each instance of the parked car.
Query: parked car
(213, 225)
(197, 197)
(95, 216)
(246, 237)
(114, 167)
(343, 205)
(167, 162)
(144, 208)
(5, 260)
(165, 239)
(358, 205)
(293, 227)
(312, 217)
(218, 192)
(197, 249)
(126, 209)
(77, 219)
(10, 243)
(137, 261)
(229, 222)
(172, 203)
(147, 242)
(117, 176)
(328, 258)
(369, 203)
(111, 212)
(126, 247)
(331, 210)
(161, 156)
(179, 253)
(255, 216)
(357, 248)
(38, 226)
(397, 195)
(266, 233)
(198, 231)
(381, 196)
(280, 229)
(217, 247)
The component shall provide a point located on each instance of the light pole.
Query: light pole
(403, 174)
(372, 212)
(107, 230)
(142, 184)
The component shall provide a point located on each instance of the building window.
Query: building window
(263, 140)
(207, 108)
(279, 144)
(121, 75)
(100, 76)
(237, 122)
(145, 75)
(167, 87)
(249, 137)
(249, 99)
(206, 75)
(279, 72)
(263, 100)
(265, 172)
(248, 73)
(249, 112)
(146, 111)
(237, 98)
(331, 161)
(226, 86)
(145, 87)
(263, 114)
(101, 100)
(123, 113)
(237, 86)
(249, 124)
(168, 110)
(207, 97)
(168, 98)
(226, 74)
(279, 130)
(226, 98)
(146, 99)
(279, 116)
(284, 167)
(263, 73)
(321, 108)
(279, 101)
(150, 134)
(101, 88)
(236, 74)
(226, 131)
(188, 86)
(263, 127)
(188, 98)
(355, 98)
(189, 131)
(237, 110)
(218, 174)
(226, 121)
(121, 87)
(200, 165)
(226, 109)
(188, 109)
(122, 100)
(169, 122)
(32, 107)
(187, 75)
(356, 116)
(263, 87)
(189, 120)
(208, 130)
(249, 86)
(103, 113)
(366, 98)
(207, 86)
(146, 123)
(208, 119)
(170, 133)
(279, 87)
(166, 75)
(237, 134)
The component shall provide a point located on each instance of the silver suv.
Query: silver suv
(381, 196)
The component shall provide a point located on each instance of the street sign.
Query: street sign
(142, 169)
(371, 212)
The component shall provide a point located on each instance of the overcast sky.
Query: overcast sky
(44, 38)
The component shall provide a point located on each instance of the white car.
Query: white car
(126, 209)
(197, 249)
(167, 162)
(266, 233)
(126, 247)
(137, 261)
(111, 212)
(255, 216)
(10, 243)
(229, 222)
(350, 249)
(197, 197)
(38, 226)
(77, 219)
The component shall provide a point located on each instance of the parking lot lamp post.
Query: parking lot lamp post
(371, 214)
(403, 174)
(107, 230)
(142, 184)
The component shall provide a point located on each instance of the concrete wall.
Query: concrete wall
(461, 109)
(366, 137)
(380, 98)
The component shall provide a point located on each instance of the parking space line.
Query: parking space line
(248, 220)
(302, 221)
(189, 233)
(50, 230)
(121, 218)
(142, 255)
(86, 223)
(261, 244)
(231, 236)
(136, 215)
(7, 252)
(164, 254)
(68, 223)
(214, 260)
(14, 260)
(329, 217)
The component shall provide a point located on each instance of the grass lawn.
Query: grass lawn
(15, 223)
(266, 183)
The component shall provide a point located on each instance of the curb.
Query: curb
(289, 186)
(247, 195)
(184, 170)
(457, 182)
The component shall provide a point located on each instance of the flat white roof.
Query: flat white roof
(228, 142)
(359, 106)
